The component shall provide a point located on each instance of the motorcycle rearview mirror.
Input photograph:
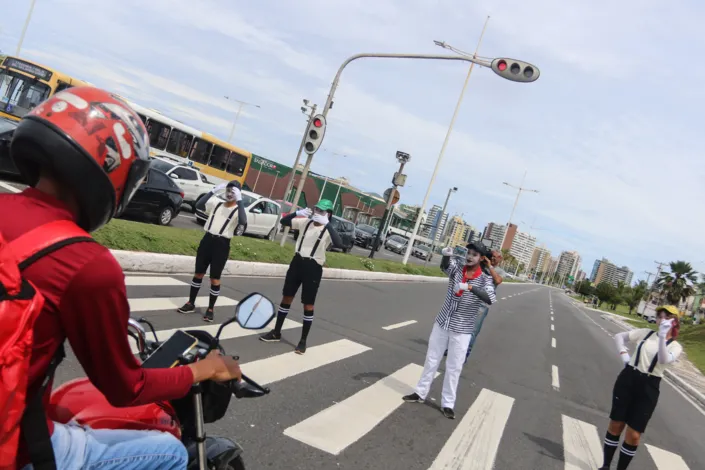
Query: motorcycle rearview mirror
(254, 312)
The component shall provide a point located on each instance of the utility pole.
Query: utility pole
(398, 180)
(648, 278)
(24, 28)
(659, 266)
(519, 189)
(440, 219)
(237, 115)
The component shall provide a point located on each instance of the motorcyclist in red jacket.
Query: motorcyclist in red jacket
(84, 153)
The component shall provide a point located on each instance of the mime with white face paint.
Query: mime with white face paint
(214, 249)
(469, 288)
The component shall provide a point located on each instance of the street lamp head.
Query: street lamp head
(306, 102)
(440, 44)
(455, 188)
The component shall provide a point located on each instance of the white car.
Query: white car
(192, 182)
(262, 213)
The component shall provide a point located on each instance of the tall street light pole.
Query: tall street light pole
(398, 180)
(519, 189)
(24, 28)
(435, 230)
(237, 114)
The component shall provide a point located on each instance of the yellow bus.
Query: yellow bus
(25, 84)
(171, 139)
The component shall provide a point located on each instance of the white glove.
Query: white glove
(306, 212)
(460, 287)
(447, 251)
(233, 194)
(664, 328)
(625, 357)
(218, 188)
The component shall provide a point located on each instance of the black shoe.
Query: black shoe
(448, 413)
(208, 316)
(187, 308)
(271, 337)
(413, 398)
(301, 347)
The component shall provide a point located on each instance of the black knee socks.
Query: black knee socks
(281, 316)
(215, 292)
(625, 456)
(610, 446)
(308, 321)
(195, 287)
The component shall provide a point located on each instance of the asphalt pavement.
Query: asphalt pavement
(522, 403)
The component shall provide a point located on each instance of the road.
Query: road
(534, 395)
(187, 220)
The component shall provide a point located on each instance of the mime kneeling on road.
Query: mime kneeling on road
(469, 288)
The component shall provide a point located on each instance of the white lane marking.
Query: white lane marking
(169, 303)
(337, 427)
(553, 342)
(152, 281)
(474, 442)
(12, 189)
(399, 325)
(665, 460)
(280, 367)
(553, 328)
(581, 445)
(551, 317)
(186, 216)
(231, 331)
(555, 382)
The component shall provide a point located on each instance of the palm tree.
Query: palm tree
(635, 294)
(677, 285)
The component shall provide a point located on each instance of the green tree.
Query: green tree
(633, 295)
(678, 284)
(585, 288)
(605, 292)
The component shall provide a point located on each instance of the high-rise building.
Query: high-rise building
(436, 221)
(605, 271)
(457, 232)
(522, 248)
(495, 232)
(568, 264)
(540, 259)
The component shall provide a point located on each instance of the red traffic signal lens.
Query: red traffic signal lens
(501, 65)
(317, 122)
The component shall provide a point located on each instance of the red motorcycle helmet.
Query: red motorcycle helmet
(92, 143)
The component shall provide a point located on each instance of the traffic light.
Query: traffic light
(314, 134)
(515, 70)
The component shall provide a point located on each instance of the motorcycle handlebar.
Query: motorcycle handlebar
(247, 388)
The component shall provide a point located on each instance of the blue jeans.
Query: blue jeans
(481, 314)
(77, 447)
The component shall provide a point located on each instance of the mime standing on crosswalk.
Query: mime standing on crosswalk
(214, 248)
(636, 390)
(306, 269)
(468, 289)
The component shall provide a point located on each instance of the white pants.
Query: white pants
(457, 345)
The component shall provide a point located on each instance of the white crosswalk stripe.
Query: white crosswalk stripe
(475, 441)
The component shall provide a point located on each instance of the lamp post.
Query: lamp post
(24, 28)
(435, 229)
(237, 114)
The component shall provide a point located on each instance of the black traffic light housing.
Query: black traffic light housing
(314, 134)
(515, 70)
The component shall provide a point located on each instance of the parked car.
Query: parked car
(189, 178)
(263, 214)
(397, 244)
(346, 230)
(422, 252)
(365, 235)
(158, 199)
(7, 166)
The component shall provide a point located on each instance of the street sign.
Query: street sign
(399, 179)
(393, 193)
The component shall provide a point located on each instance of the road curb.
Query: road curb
(677, 381)
(133, 261)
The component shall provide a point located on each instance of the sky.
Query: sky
(608, 134)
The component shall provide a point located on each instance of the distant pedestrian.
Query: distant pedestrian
(468, 289)
(636, 390)
(306, 269)
(214, 249)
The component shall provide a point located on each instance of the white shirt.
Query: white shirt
(649, 351)
(306, 245)
(219, 218)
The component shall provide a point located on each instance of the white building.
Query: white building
(437, 221)
(523, 248)
(568, 264)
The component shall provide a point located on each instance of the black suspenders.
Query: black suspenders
(227, 221)
(318, 242)
(654, 361)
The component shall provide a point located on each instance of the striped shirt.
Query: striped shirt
(458, 314)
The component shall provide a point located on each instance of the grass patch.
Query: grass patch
(135, 236)
(692, 337)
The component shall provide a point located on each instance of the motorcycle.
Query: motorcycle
(185, 418)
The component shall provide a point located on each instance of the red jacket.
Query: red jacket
(86, 303)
